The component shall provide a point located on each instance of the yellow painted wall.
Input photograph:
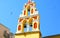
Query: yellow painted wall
(35, 35)
(19, 36)
(28, 35)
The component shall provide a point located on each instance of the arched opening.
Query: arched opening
(28, 9)
(25, 25)
(28, 13)
(30, 24)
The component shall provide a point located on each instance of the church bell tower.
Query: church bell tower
(29, 22)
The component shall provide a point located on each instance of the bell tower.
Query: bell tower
(29, 18)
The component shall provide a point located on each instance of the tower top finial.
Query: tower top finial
(29, 0)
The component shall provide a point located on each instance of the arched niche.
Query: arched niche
(19, 27)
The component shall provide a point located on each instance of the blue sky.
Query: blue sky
(49, 11)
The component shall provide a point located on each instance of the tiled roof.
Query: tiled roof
(51, 36)
(4, 26)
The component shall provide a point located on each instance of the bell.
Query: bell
(25, 26)
(31, 25)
